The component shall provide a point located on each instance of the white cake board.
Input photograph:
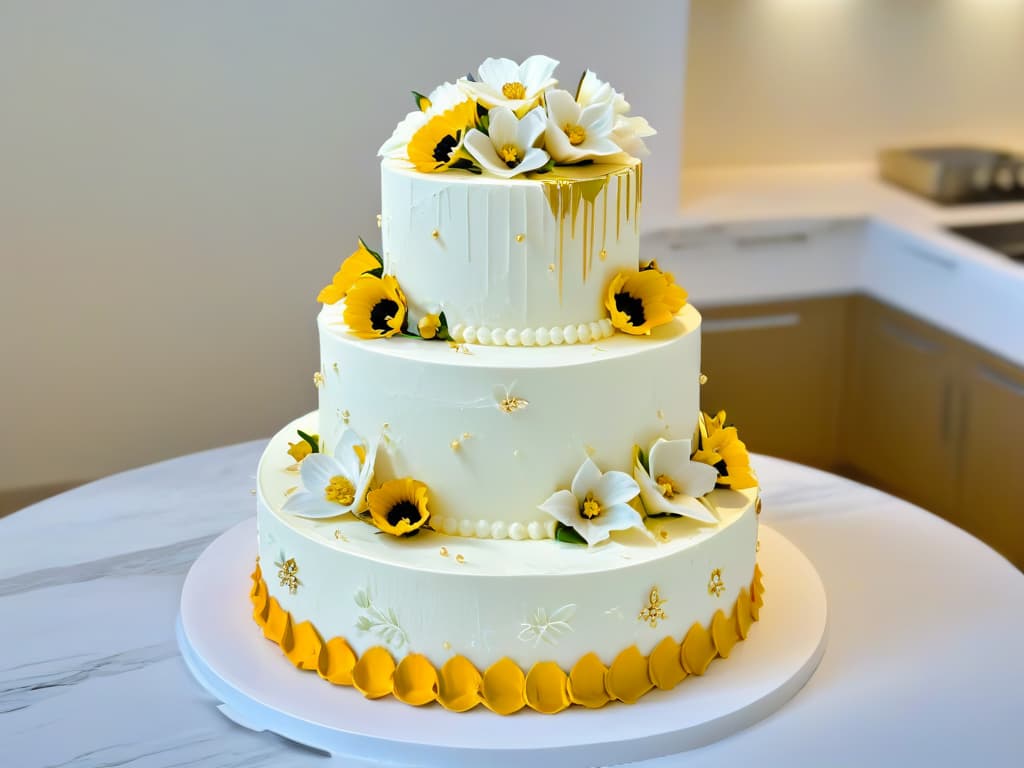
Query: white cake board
(261, 690)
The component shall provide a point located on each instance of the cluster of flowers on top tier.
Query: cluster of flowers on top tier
(671, 480)
(511, 119)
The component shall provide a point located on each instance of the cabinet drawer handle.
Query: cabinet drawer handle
(934, 259)
(910, 339)
(783, 238)
(1002, 380)
(757, 322)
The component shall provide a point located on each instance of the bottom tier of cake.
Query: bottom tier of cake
(505, 623)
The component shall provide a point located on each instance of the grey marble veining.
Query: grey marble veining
(90, 674)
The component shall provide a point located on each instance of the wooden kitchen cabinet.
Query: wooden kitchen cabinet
(776, 369)
(898, 420)
(990, 491)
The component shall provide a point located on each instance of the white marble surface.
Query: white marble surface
(923, 663)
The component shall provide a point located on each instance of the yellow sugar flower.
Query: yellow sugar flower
(375, 307)
(361, 261)
(639, 301)
(675, 295)
(435, 146)
(721, 447)
(429, 325)
(399, 507)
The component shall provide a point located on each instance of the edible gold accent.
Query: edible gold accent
(293, 468)
(446, 645)
(435, 234)
(757, 504)
(652, 613)
(290, 490)
(345, 416)
(378, 220)
(703, 379)
(715, 584)
(551, 267)
(444, 551)
(604, 254)
(661, 414)
(466, 435)
(757, 546)
(520, 237)
(511, 404)
(460, 559)
(318, 379)
(287, 572)
(455, 445)
(340, 536)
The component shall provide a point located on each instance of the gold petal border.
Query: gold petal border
(460, 686)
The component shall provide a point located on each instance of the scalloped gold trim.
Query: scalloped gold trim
(504, 687)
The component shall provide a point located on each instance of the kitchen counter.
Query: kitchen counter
(762, 234)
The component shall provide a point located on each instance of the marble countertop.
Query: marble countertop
(922, 666)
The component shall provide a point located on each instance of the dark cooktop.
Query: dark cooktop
(1007, 237)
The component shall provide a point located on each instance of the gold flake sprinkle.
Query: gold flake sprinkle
(466, 435)
(603, 254)
(318, 379)
(589, 450)
(387, 425)
(444, 551)
(653, 612)
(435, 234)
(345, 416)
(511, 404)
(288, 574)
(455, 444)
(520, 237)
(460, 559)
(551, 267)
(446, 645)
(757, 546)
(292, 468)
(339, 535)
(757, 504)
(378, 220)
(703, 379)
(661, 414)
(663, 534)
(715, 584)
(290, 491)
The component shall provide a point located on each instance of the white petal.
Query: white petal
(564, 507)
(345, 453)
(618, 518)
(696, 478)
(395, 146)
(482, 150)
(586, 479)
(482, 92)
(444, 97)
(669, 456)
(502, 127)
(317, 469)
(593, 90)
(688, 506)
(557, 143)
(597, 120)
(365, 476)
(535, 73)
(562, 108)
(597, 147)
(532, 160)
(615, 488)
(530, 127)
(650, 494)
(305, 504)
(497, 72)
(638, 126)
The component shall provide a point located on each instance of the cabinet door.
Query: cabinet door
(775, 368)
(990, 499)
(898, 419)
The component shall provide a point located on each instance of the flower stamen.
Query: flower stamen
(591, 507)
(575, 133)
(666, 486)
(340, 491)
(510, 154)
(514, 90)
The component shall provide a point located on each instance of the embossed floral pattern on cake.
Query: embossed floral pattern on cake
(547, 627)
(381, 622)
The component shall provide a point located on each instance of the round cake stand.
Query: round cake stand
(261, 690)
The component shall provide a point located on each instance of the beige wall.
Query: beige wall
(810, 81)
(177, 180)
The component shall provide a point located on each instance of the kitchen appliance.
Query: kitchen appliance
(953, 175)
(1006, 237)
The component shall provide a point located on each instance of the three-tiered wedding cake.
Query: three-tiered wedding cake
(509, 495)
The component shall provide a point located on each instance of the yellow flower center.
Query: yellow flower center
(575, 133)
(665, 485)
(591, 508)
(510, 154)
(514, 90)
(340, 491)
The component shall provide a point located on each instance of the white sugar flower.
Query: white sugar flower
(442, 99)
(674, 484)
(597, 504)
(507, 149)
(627, 132)
(503, 83)
(334, 485)
(575, 133)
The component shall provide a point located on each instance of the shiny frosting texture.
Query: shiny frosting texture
(438, 412)
(504, 687)
(511, 256)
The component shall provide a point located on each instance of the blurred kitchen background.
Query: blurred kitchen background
(177, 180)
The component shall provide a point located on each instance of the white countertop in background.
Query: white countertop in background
(763, 234)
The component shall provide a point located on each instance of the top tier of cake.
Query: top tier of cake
(503, 256)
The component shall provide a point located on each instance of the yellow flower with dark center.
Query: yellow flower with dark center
(721, 447)
(375, 307)
(434, 147)
(639, 301)
(361, 261)
(340, 490)
(399, 507)
(429, 325)
(675, 295)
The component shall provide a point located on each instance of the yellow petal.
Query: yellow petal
(415, 680)
(756, 594)
(337, 660)
(697, 650)
(586, 682)
(724, 634)
(373, 675)
(627, 679)
(665, 667)
(260, 602)
(459, 685)
(546, 688)
(742, 614)
(306, 643)
(504, 687)
(278, 626)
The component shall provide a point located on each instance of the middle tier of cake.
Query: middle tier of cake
(494, 431)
